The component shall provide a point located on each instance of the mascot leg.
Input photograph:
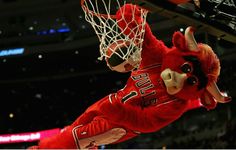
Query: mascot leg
(98, 132)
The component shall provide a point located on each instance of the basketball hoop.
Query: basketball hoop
(101, 14)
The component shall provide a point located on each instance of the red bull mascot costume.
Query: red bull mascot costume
(167, 83)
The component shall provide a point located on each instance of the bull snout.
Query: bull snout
(173, 80)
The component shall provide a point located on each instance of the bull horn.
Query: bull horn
(215, 92)
(191, 42)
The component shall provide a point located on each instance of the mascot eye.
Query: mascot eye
(192, 80)
(186, 67)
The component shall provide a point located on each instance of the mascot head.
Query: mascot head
(190, 70)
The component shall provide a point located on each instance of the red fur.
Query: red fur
(211, 63)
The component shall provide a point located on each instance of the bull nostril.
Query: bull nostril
(168, 76)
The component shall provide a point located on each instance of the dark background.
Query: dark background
(59, 76)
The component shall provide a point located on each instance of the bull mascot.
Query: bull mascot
(167, 83)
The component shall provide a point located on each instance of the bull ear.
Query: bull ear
(178, 41)
(190, 40)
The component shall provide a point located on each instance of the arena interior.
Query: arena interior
(50, 72)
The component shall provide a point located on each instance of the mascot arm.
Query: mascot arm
(153, 48)
(129, 19)
(145, 120)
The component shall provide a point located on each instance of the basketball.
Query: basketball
(120, 57)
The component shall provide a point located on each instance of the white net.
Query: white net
(101, 14)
